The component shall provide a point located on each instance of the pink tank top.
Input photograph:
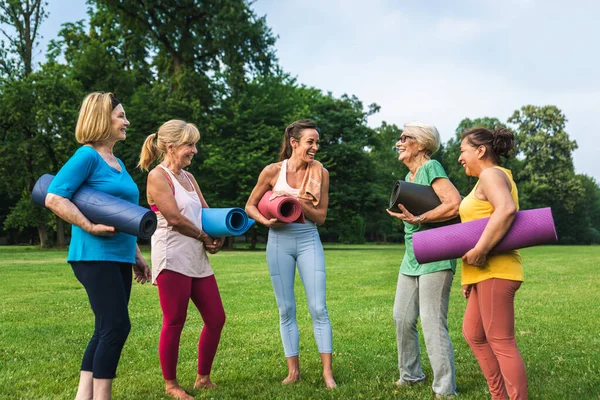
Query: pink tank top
(176, 252)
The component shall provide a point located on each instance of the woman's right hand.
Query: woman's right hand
(273, 223)
(102, 230)
(466, 291)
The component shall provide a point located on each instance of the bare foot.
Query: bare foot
(291, 378)
(204, 382)
(329, 381)
(178, 393)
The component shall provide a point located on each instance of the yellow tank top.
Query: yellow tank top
(504, 265)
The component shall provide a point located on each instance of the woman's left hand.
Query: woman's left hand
(141, 271)
(475, 257)
(404, 215)
(216, 245)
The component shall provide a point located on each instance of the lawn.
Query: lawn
(45, 323)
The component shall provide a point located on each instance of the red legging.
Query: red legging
(175, 290)
(489, 328)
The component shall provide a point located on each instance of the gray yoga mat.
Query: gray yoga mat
(417, 199)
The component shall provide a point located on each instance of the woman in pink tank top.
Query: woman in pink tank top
(180, 266)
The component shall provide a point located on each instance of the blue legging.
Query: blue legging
(287, 246)
(108, 286)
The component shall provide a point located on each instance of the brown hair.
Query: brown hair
(175, 132)
(294, 130)
(498, 141)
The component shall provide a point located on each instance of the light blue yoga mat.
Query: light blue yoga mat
(221, 222)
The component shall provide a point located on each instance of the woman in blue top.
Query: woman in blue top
(100, 256)
(424, 289)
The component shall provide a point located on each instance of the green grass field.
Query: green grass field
(45, 323)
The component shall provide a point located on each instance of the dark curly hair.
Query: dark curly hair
(498, 141)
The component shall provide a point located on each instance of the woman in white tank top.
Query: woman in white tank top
(180, 266)
(297, 244)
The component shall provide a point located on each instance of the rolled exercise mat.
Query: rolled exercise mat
(417, 199)
(285, 209)
(529, 228)
(222, 222)
(103, 208)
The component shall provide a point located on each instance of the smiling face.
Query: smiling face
(182, 155)
(118, 123)
(308, 145)
(408, 147)
(470, 157)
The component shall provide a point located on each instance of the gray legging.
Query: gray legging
(286, 246)
(428, 296)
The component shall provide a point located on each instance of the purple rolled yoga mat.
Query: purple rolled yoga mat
(530, 228)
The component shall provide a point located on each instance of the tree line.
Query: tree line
(213, 62)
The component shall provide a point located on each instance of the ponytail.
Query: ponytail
(149, 152)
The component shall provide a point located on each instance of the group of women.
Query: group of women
(101, 258)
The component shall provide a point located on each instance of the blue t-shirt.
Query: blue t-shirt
(87, 167)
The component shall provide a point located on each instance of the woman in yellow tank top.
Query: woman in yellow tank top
(491, 281)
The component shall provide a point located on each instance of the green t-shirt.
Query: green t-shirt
(430, 171)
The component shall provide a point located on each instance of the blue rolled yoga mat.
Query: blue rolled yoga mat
(221, 222)
(103, 208)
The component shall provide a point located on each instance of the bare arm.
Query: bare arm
(494, 187)
(263, 185)
(68, 212)
(318, 214)
(161, 192)
(448, 209)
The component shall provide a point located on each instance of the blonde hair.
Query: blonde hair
(94, 123)
(425, 134)
(175, 132)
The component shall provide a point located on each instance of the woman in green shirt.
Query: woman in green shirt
(424, 289)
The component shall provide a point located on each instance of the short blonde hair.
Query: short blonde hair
(425, 134)
(175, 132)
(94, 123)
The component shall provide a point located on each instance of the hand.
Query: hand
(141, 271)
(404, 215)
(273, 223)
(102, 230)
(466, 291)
(279, 193)
(306, 203)
(475, 257)
(216, 245)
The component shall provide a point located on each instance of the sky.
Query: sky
(437, 61)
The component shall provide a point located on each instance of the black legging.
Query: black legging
(108, 286)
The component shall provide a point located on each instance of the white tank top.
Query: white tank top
(281, 184)
(176, 252)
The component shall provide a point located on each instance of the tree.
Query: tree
(548, 177)
(387, 170)
(36, 130)
(25, 18)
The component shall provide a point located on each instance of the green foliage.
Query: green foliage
(213, 63)
(548, 173)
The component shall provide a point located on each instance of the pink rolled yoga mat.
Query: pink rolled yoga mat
(530, 228)
(285, 209)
